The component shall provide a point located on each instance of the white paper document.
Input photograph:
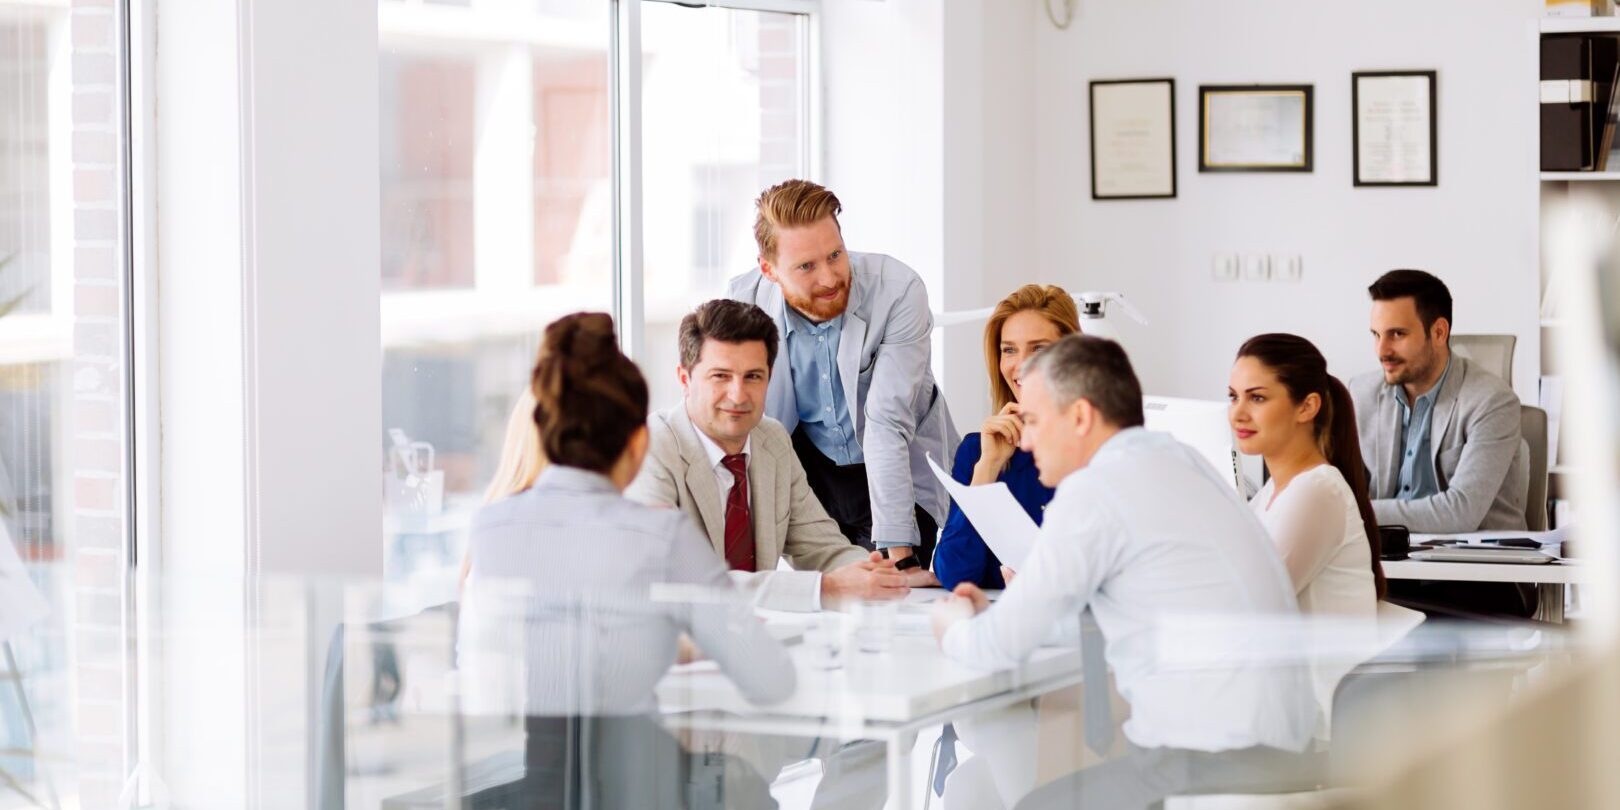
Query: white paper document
(997, 516)
(1549, 538)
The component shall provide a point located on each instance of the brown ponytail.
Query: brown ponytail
(589, 398)
(1302, 370)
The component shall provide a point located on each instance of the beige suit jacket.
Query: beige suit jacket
(788, 520)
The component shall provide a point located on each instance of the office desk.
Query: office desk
(1549, 579)
(888, 696)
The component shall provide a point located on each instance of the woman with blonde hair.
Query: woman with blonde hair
(1031, 318)
(520, 464)
(521, 459)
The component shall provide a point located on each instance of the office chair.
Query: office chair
(1533, 424)
(1493, 352)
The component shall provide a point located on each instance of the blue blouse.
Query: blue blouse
(962, 555)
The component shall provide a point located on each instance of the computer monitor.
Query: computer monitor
(1201, 425)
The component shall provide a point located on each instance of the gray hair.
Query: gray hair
(1093, 369)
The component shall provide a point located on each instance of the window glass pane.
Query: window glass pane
(497, 218)
(706, 156)
(64, 394)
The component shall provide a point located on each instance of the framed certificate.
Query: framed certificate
(1255, 128)
(1133, 139)
(1393, 121)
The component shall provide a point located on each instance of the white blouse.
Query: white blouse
(1318, 531)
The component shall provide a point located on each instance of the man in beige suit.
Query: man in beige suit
(720, 460)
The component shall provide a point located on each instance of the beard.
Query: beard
(819, 309)
(1411, 369)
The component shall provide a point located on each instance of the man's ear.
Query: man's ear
(1441, 330)
(767, 269)
(1085, 416)
(682, 374)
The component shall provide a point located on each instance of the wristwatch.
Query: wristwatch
(905, 563)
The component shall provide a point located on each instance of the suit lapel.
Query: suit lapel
(1445, 406)
(1391, 438)
(781, 403)
(762, 491)
(700, 484)
(851, 347)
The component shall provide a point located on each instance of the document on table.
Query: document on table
(997, 516)
(1550, 538)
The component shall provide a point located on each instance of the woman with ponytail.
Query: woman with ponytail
(1289, 410)
(599, 643)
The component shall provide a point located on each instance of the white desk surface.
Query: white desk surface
(911, 680)
(1559, 573)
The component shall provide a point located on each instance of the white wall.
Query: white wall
(1477, 230)
(929, 106)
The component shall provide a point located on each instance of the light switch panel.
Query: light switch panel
(1226, 267)
(1287, 267)
(1256, 267)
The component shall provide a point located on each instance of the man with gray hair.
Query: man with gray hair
(1145, 534)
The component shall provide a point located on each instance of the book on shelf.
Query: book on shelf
(1580, 75)
(1579, 8)
(1567, 93)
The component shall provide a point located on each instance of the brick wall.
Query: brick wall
(94, 446)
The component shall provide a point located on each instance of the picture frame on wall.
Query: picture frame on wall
(1393, 125)
(1133, 139)
(1256, 128)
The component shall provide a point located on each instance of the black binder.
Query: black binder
(1568, 127)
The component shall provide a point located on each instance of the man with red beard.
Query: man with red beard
(852, 381)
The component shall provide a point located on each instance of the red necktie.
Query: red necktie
(739, 522)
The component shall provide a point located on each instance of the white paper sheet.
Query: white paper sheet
(1550, 538)
(997, 516)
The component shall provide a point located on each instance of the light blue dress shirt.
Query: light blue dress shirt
(813, 356)
(1418, 478)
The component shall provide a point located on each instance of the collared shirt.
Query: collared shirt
(1157, 545)
(723, 476)
(1418, 478)
(725, 479)
(813, 358)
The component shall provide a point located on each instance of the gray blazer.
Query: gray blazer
(1480, 458)
(788, 520)
(884, 358)
(564, 579)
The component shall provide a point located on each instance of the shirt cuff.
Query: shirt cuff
(891, 536)
(815, 594)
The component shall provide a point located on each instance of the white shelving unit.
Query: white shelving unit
(1603, 186)
(1580, 25)
(1580, 177)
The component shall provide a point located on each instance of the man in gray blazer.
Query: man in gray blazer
(768, 512)
(852, 381)
(1439, 434)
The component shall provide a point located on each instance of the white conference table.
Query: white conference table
(888, 696)
(1549, 578)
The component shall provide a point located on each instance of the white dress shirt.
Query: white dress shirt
(1147, 535)
(742, 579)
(1317, 529)
(723, 476)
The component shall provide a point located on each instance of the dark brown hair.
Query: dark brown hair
(1429, 294)
(589, 398)
(1302, 370)
(728, 322)
(1093, 369)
